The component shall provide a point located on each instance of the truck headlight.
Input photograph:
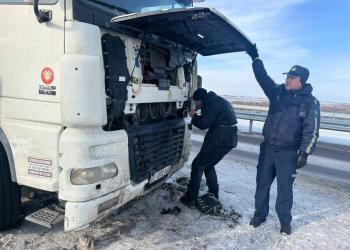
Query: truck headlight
(84, 176)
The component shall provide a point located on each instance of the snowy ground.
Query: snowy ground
(321, 219)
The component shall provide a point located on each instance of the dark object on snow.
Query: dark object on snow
(256, 220)
(174, 211)
(286, 229)
(208, 204)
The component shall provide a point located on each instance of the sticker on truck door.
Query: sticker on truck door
(47, 77)
(40, 167)
(47, 90)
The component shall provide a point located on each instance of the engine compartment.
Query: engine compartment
(159, 66)
(145, 63)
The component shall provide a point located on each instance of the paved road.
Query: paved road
(319, 169)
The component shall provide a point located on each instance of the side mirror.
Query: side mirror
(42, 15)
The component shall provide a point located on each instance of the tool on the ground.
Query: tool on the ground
(174, 211)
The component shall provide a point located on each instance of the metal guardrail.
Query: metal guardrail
(329, 123)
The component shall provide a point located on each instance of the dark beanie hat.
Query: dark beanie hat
(199, 94)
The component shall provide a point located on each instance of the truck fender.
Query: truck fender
(4, 141)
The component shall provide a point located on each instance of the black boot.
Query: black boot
(187, 201)
(213, 195)
(286, 229)
(256, 220)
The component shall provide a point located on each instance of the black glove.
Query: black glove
(252, 51)
(302, 160)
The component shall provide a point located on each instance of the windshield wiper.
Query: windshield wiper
(111, 6)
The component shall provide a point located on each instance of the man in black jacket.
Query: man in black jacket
(290, 134)
(218, 116)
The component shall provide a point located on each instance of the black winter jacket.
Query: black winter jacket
(293, 119)
(217, 115)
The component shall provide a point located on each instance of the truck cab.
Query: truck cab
(94, 97)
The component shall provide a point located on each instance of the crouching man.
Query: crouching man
(218, 116)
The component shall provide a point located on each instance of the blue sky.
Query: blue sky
(311, 33)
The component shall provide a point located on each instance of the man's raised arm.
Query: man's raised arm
(265, 81)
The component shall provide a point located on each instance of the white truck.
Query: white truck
(93, 98)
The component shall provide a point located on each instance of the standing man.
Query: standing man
(218, 116)
(290, 134)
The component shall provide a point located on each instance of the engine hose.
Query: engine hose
(161, 110)
(169, 108)
(142, 112)
(153, 110)
(165, 109)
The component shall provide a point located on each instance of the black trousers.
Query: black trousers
(205, 162)
(282, 165)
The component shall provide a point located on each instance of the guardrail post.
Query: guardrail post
(250, 126)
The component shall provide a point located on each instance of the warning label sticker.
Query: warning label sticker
(47, 90)
(39, 167)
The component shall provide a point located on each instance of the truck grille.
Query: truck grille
(154, 147)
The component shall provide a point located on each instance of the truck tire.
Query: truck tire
(10, 195)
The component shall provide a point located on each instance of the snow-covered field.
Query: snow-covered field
(321, 215)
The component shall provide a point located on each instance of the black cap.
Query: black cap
(199, 94)
(300, 71)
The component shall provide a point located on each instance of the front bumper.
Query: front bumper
(80, 214)
(93, 147)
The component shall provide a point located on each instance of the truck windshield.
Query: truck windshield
(140, 6)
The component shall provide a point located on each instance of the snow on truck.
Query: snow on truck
(93, 98)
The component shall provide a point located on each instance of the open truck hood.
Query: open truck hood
(201, 29)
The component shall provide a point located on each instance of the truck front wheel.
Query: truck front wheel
(10, 195)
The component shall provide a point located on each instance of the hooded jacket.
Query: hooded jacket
(293, 119)
(218, 116)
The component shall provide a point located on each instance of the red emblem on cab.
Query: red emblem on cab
(47, 75)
